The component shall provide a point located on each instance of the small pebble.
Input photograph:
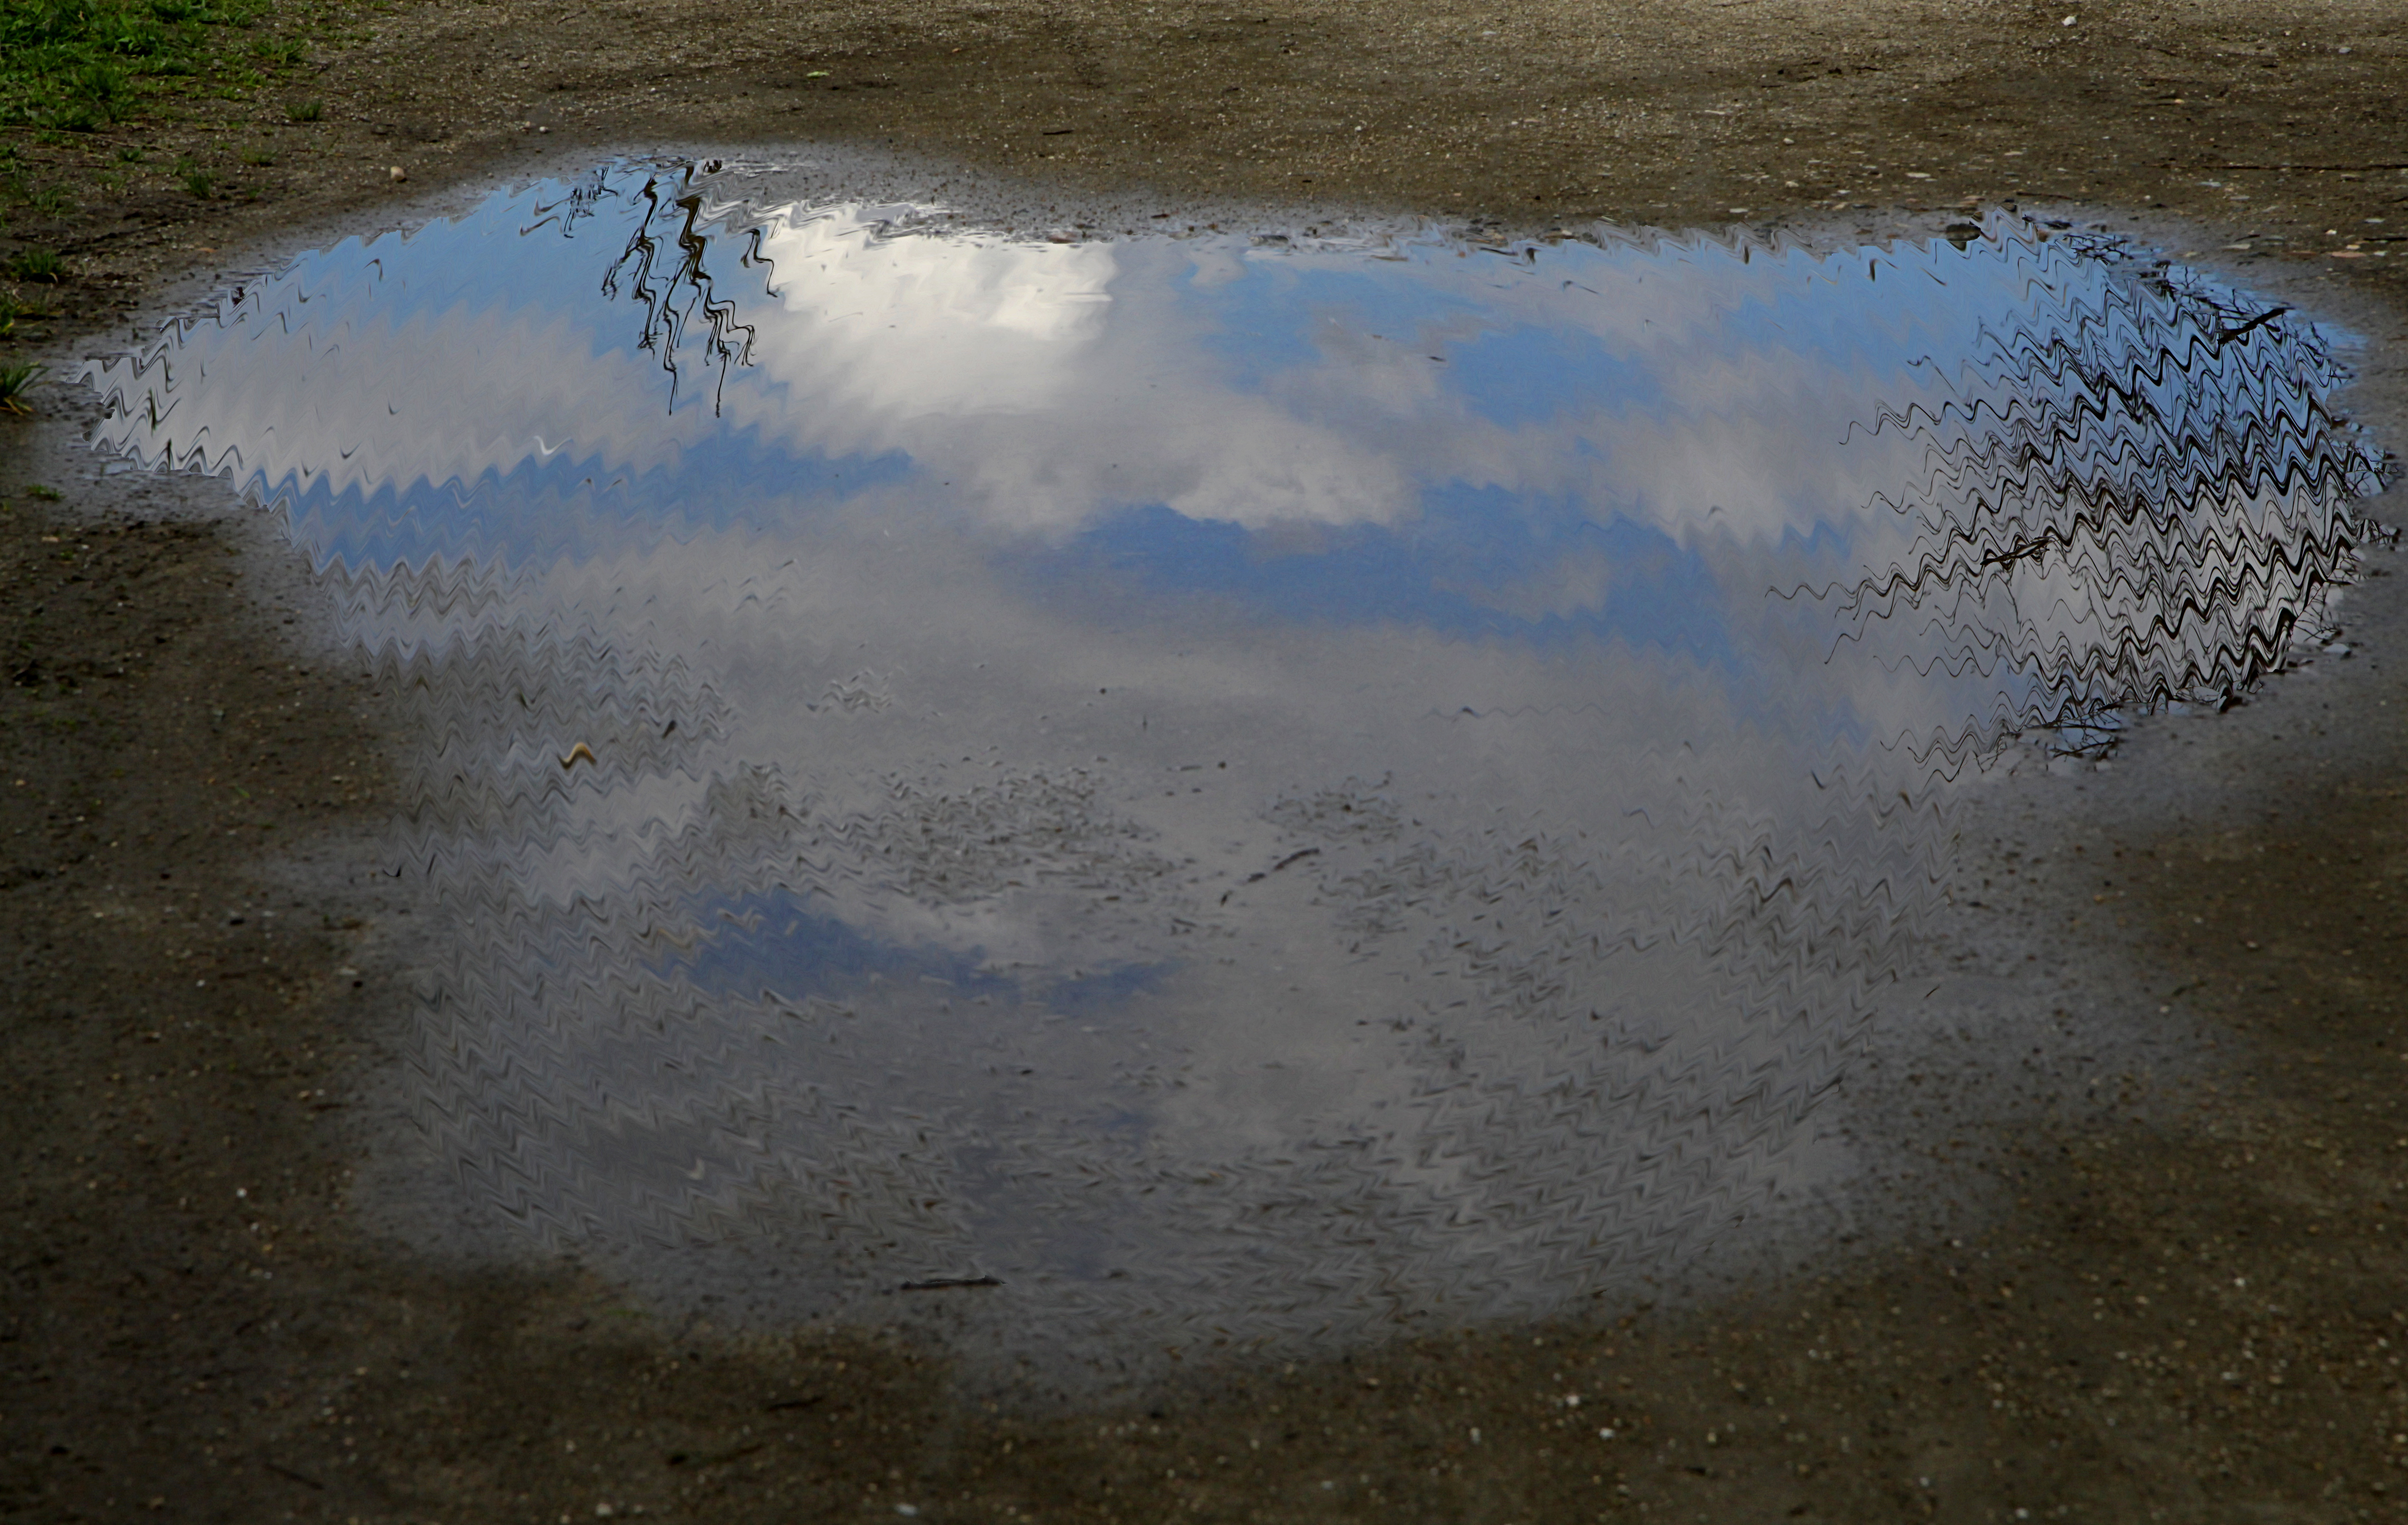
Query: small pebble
(398, 173)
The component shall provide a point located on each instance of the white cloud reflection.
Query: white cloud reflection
(1048, 384)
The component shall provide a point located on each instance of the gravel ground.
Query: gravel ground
(2146, 1272)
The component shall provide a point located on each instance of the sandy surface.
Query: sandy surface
(2149, 1270)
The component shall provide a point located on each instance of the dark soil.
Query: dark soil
(2287, 122)
(2191, 1307)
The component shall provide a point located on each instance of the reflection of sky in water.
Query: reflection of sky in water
(1250, 786)
(777, 947)
(1448, 571)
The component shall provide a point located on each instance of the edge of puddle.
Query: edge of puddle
(2232, 765)
(2070, 1017)
(2014, 804)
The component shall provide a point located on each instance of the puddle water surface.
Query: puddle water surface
(1197, 789)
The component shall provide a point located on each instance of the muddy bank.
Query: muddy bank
(2153, 1293)
(2282, 125)
(2281, 129)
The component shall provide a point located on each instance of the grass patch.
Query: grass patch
(14, 381)
(78, 65)
(13, 306)
(38, 264)
(305, 111)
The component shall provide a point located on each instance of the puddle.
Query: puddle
(1170, 791)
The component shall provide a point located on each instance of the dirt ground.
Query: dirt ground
(2190, 1307)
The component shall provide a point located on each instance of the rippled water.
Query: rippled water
(1210, 787)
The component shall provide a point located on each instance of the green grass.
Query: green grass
(38, 264)
(78, 65)
(305, 111)
(14, 381)
(13, 306)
